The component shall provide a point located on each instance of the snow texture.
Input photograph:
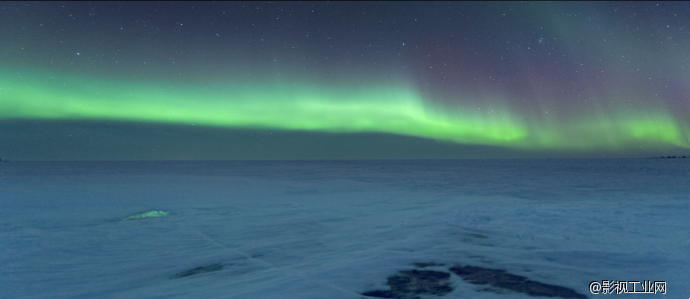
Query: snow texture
(337, 229)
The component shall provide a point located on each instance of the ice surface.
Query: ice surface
(336, 229)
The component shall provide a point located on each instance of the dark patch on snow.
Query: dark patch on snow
(424, 265)
(409, 284)
(199, 270)
(477, 236)
(412, 284)
(505, 280)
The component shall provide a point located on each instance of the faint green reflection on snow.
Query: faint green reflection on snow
(149, 214)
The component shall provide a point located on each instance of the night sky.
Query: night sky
(343, 80)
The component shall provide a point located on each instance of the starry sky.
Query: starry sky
(343, 80)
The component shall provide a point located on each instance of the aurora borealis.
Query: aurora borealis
(581, 78)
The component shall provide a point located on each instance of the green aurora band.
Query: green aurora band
(30, 94)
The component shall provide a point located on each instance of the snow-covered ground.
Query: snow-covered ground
(336, 229)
